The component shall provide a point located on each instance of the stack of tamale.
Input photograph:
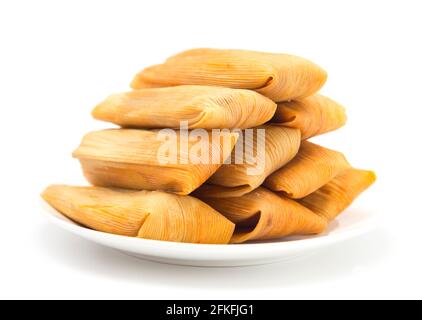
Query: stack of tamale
(299, 188)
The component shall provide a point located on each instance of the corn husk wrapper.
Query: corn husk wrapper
(334, 197)
(263, 215)
(314, 115)
(143, 159)
(201, 106)
(313, 167)
(280, 77)
(144, 214)
(236, 179)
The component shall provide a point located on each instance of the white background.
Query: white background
(59, 58)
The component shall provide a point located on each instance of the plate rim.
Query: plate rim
(201, 252)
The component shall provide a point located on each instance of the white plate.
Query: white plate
(350, 224)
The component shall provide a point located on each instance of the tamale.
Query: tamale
(334, 197)
(133, 159)
(313, 167)
(280, 146)
(144, 214)
(280, 77)
(200, 106)
(313, 115)
(263, 215)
